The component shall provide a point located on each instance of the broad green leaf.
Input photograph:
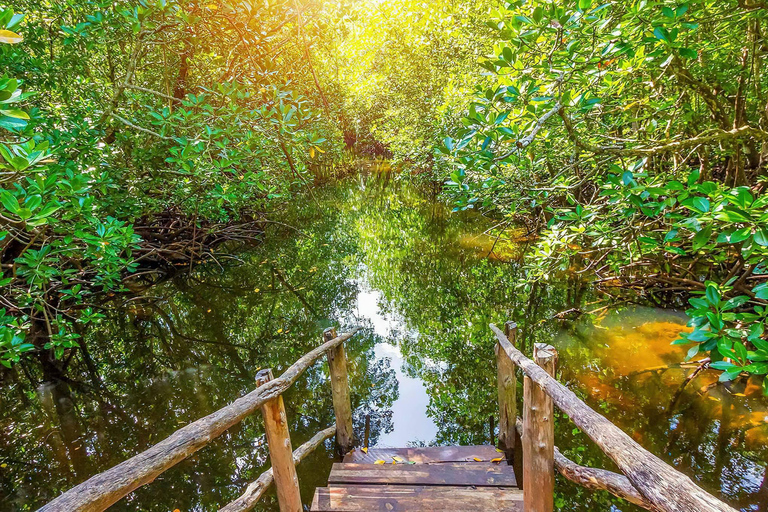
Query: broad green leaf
(761, 236)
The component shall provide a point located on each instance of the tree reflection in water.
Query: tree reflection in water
(426, 283)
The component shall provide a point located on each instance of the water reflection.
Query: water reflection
(425, 284)
(412, 426)
(629, 371)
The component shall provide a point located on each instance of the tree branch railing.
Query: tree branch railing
(646, 480)
(104, 489)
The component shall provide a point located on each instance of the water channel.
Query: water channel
(425, 283)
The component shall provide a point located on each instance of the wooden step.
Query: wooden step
(429, 454)
(453, 473)
(397, 498)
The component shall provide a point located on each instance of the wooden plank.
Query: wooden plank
(426, 455)
(358, 498)
(456, 473)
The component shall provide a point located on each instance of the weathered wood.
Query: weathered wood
(426, 455)
(599, 480)
(490, 475)
(280, 450)
(102, 490)
(365, 498)
(342, 404)
(596, 479)
(665, 489)
(507, 387)
(258, 487)
(491, 430)
(539, 437)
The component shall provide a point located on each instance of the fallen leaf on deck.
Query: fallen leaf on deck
(478, 459)
(497, 459)
(379, 462)
(364, 450)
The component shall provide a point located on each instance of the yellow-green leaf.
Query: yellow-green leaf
(18, 114)
(6, 36)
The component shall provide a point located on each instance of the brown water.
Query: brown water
(425, 284)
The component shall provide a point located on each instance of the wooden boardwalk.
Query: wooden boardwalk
(439, 479)
(443, 478)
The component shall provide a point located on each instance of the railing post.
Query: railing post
(342, 404)
(280, 450)
(507, 384)
(539, 437)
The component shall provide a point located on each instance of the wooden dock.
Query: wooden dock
(441, 478)
(444, 479)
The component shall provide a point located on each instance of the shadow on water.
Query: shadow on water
(425, 283)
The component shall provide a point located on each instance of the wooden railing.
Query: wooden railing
(646, 480)
(103, 490)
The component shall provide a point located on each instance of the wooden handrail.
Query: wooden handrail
(664, 488)
(258, 487)
(103, 490)
(596, 479)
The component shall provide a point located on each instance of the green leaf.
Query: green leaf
(585, 4)
(761, 291)
(16, 113)
(713, 296)
(687, 53)
(538, 14)
(732, 214)
(9, 201)
(33, 201)
(722, 365)
(735, 302)
(761, 236)
(741, 351)
(701, 204)
(730, 375)
(661, 34)
(701, 238)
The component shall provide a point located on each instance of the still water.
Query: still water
(424, 283)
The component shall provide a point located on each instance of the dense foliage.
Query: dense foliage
(405, 69)
(628, 137)
(633, 134)
(134, 135)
